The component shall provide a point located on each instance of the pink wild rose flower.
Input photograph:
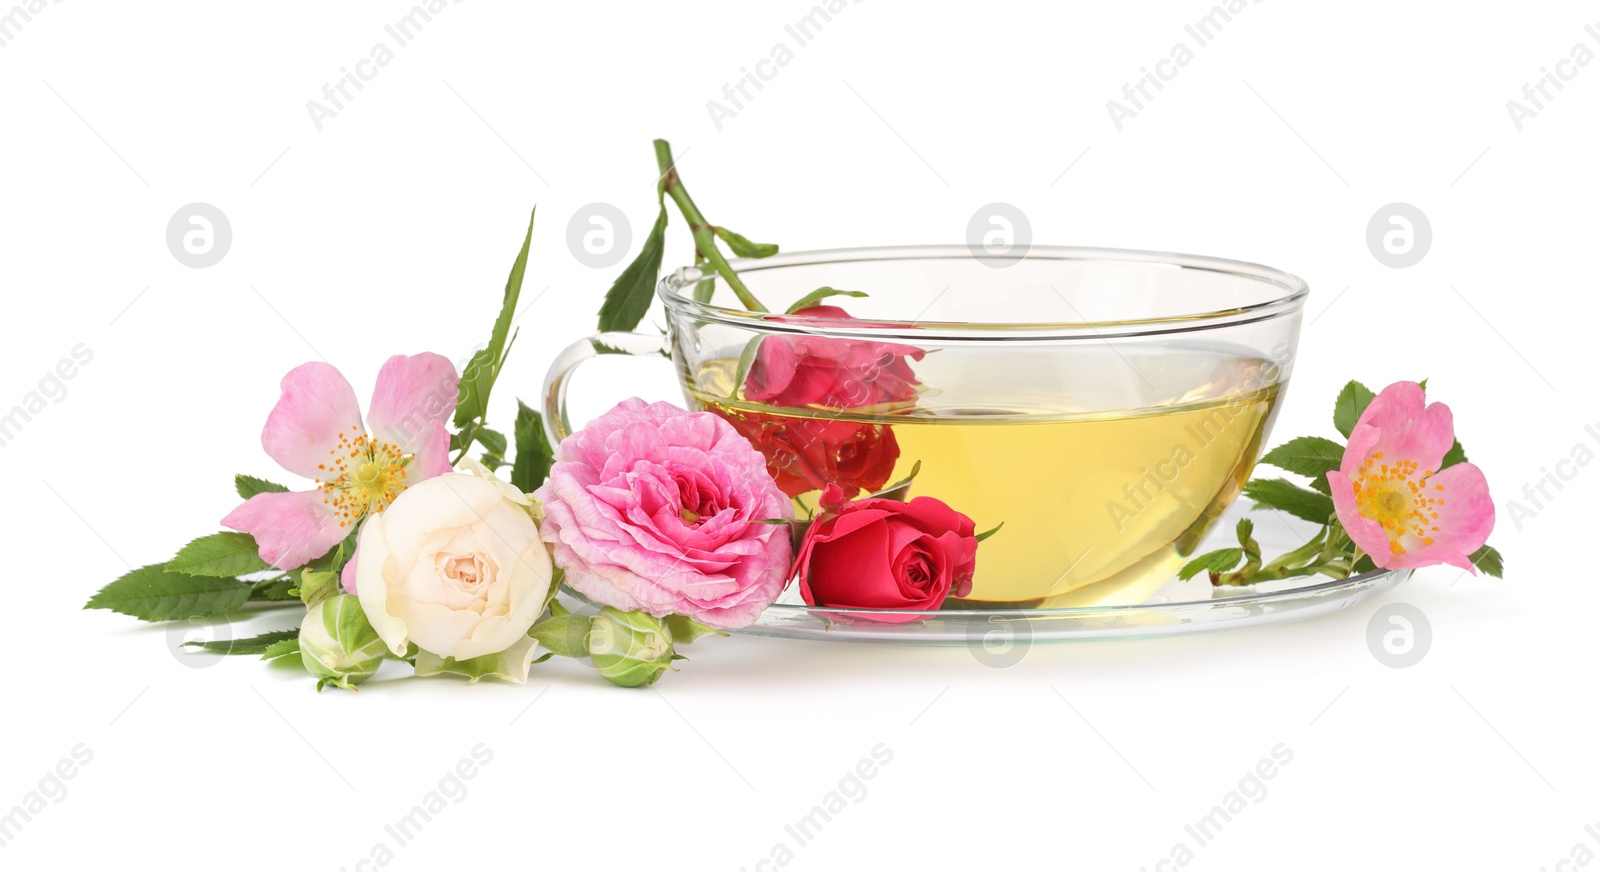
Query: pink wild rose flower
(798, 371)
(1393, 499)
(655, 509)
(315, 431)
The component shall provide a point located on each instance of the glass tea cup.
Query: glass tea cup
(1105, 406)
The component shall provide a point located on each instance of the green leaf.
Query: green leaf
(1221, 560)
(900, 489)
(686, 630)
(154, 593)
(284, 648)
(1276, 493)
(1245, 532)
(471, 403)
(742, 246)
(510, 665)
(220, 555)
(629, 297)
(1489, 562)
(1455, 455)
(602, 348)
(338, 555)
(493, 441)
(248, 486)
(534, 455)
(254, 645)
(990, 532)
(274, 589)
(494, 447)
(567, 635)
(1347, 409)
(558, 576)
(473, 400)
(747, 359)
(819, 295)
(1311, 456)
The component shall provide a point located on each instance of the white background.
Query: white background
(391, 229)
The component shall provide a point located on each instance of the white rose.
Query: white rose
(473, 466)
(454, 565)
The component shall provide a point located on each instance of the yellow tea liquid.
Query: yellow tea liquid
(1100, 507)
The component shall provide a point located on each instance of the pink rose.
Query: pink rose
(1391, 496)
(886, 554)
(653, 508)
(806, 454)
(798, 371)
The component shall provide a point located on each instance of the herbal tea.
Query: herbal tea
(1102, 489)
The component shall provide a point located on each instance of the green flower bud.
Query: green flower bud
(630, 649)
(338, 644)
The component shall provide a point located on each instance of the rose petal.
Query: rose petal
(1407, 429)
(316, 407)
(290, 529)
(432, 456)
(412, 399)
(1365, 532)
(347, 576)
(1466, 518)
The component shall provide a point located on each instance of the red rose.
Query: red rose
(798, 371)
(808, 454)
(886, 554)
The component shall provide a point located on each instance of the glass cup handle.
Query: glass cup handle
(556, 424)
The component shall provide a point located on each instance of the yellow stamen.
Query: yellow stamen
(364, 477)
(1397, 496)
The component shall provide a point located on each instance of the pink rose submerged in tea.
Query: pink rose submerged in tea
(799, 371)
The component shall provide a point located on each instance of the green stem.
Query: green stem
(705, 238)
(1313, 548)
(467, 439)
(1331, 552)
(483, 419)
(1288, 565)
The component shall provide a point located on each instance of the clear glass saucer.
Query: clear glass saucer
(1176, 608)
